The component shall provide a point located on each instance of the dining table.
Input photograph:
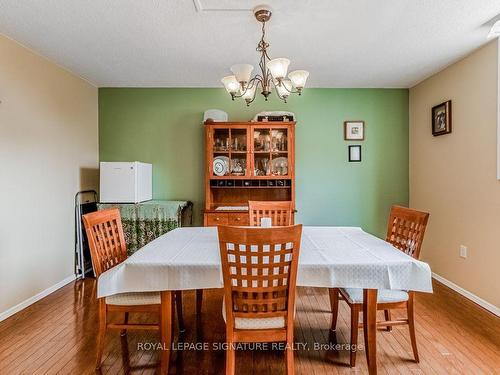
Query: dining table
(330, 257)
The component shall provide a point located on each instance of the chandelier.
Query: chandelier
(273, 72)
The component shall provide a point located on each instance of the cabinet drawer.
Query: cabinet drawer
(217, 219)
(239, 219)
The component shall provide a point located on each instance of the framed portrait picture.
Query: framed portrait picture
(441, 119)
(354, 130)
(354, 152)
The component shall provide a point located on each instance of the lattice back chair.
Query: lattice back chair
(106, 240)
(405, 231)
(108, 249)
(259, 267)
(406, 228)
(280, 212)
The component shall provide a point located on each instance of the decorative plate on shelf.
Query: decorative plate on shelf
(221, 165)
(279, 166)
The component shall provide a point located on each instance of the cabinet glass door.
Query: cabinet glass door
(270, 146)
(238, 165)
(229, 152)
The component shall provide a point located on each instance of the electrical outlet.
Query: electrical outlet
(463, 251)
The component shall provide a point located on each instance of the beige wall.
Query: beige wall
(48, 152)
(454, 176)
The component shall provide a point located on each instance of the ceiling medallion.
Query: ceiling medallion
(272, 72)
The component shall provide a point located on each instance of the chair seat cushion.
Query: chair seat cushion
(255, 323)
(134, 299)
(383, 295)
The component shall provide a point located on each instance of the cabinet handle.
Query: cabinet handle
(238, 219)
(217, 219)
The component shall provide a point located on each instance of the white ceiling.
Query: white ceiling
(192, 43)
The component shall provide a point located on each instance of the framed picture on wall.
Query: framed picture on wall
(354, 130)
(441, 119)
(354, 153)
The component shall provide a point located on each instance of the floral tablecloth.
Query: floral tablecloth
(143, 222)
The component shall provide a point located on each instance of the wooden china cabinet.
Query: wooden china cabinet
(247, 161)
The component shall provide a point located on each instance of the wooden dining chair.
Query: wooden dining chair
(405, 231)
(108, 249)
(259, 268)
(280, 212)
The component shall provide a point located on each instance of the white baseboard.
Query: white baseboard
(9, 312)
(481, 302)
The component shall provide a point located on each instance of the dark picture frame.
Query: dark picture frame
(354, 153)
(348, 130)
(441, 119)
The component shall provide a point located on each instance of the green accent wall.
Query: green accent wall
(163, 126)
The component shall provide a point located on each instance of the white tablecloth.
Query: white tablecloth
(188, 258)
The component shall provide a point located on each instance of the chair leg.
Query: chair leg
(166, 324)
(334, 303)
(123, 332)
(178, 307)
(354, 333)
(230, 359)
(387, 315)
(172, 313)
(101, 335)
(411, 326)
(290, 365)
(199, 301)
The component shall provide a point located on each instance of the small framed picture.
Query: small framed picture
(441, 119)
(354, 130)
(354, 153)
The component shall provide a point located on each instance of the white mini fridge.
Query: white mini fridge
(125, 182)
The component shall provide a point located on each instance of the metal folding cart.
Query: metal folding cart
(85, 202)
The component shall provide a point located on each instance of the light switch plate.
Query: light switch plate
(463, 251)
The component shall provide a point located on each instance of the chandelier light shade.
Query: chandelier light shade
(249, 93)
(299, 78)
(273, 72)
(284, 88)
(242, 72)
(231, 84)
(278, 67)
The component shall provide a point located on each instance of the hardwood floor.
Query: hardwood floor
(57, 336)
